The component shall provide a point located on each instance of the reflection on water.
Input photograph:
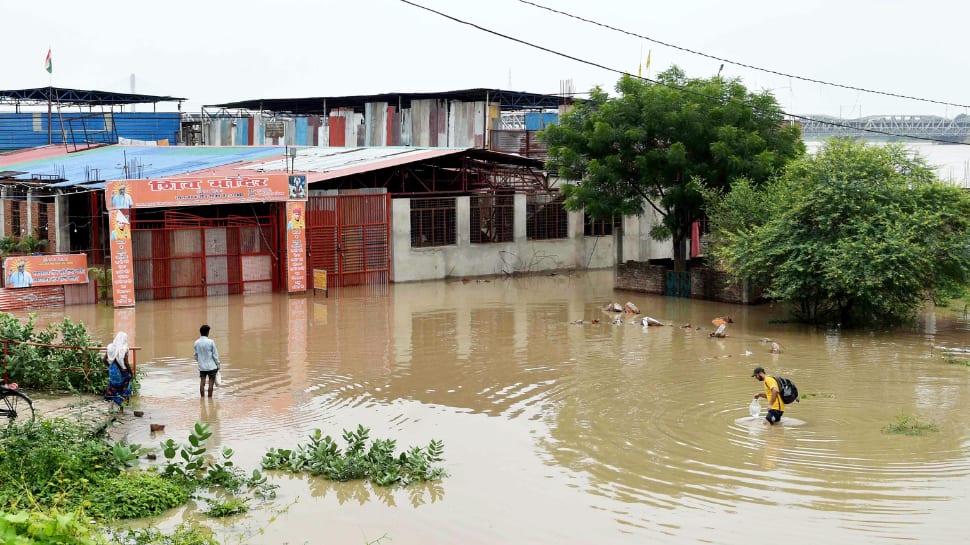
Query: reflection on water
(562, 432)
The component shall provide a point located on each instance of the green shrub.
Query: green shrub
(50, 461)
(43, 528)
(79, 368)
(136, 494)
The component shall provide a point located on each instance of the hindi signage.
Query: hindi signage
(122, 264)
(45, 270)
(194, 191)
(296, 246)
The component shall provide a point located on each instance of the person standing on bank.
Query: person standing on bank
(119, 372)
(207, 356)
(776, 406)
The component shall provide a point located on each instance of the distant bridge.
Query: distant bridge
(889, 127)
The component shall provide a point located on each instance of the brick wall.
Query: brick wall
(642, 277)
(706, 283)
(23, 229)
(7, 217)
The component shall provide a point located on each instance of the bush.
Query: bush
(43, 528)
(50, 462)
(78, 368)
(136, 494)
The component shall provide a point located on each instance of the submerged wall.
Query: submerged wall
(521, 256)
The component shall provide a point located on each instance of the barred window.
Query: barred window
(546, 217)
(42, 221)
(492, 218)
(432, 222)
(597, 228)
(15, 218)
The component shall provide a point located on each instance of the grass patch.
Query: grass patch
(228, 507)
(953, 360)
(905, 424)
(820, 395)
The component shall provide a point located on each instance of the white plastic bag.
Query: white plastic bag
(754, 409)
(219, 378)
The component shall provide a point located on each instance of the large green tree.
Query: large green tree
(660, 144)
(856, 234)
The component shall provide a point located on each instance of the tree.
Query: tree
(856, 234)
(662, 144)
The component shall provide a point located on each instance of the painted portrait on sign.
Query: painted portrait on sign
(120, 198)
(121, 228)
(18, 276)
(296, 220)
(298, 186)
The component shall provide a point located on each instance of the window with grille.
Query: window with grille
(42, 220)
(432, 222)
(15, 218)
(546, 217)
(492, 218)
(597, 228)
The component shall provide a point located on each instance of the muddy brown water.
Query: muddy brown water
(557, 432)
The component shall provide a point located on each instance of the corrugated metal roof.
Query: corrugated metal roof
(326, 163)
(509, 100)
(40, 95)
(110, 162)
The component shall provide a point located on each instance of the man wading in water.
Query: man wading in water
(207, 356)
(776, 407)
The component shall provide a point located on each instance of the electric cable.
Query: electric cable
(744, 65)
(669, 86)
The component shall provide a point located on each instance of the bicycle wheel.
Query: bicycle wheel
(14, 404)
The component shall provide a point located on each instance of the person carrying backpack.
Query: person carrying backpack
(776, 405)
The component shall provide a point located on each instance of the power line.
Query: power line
(744, 65)
(674, 87)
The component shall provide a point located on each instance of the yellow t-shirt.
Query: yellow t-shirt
(770, 383)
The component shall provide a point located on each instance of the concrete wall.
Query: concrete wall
(637, 244)
(517, 257)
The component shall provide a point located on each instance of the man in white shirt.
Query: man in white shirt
(20, 278)
(207, 356)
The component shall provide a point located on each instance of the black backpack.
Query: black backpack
(787, 389)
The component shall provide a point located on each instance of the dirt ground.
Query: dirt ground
(87, 409)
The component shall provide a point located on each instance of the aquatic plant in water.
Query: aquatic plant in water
(378, 463)
(905, 424)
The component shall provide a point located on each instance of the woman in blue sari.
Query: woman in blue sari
(119, 372)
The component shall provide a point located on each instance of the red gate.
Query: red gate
(349, 237)
(189, 256)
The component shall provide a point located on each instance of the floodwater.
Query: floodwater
(557, 432)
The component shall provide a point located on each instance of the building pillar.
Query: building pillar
(3, 211)
(463, 218)
(61, 225)
(520, 218)
(28, 230)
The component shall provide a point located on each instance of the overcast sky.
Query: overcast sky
(219, 51)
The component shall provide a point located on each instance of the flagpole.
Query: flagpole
(50, 92)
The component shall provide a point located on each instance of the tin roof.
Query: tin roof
(123, 162)
(321, 164)
(509, 100)
(61, 95)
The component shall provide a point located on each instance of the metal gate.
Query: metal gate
(349, 237)
(189, 256)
